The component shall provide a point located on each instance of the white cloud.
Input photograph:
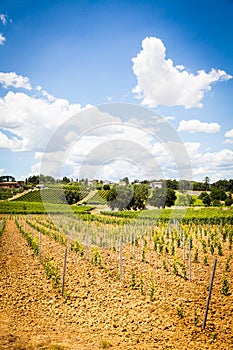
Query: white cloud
(159, 82)
(2, 171)
(7, 143)
(2, 39)
(170, 117)
(229, 141)
(195, 125)
(229, 133)
(33, 120)
(3, 18)
(45, 94)
(14, 80)
(215, 165)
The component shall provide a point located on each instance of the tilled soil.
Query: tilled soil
(97, 311)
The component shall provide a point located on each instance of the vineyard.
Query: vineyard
(124, 281)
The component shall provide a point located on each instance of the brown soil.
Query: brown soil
(98, 311)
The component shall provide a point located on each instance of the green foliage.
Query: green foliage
(144, 250)
(152, 288)
(51, 271)
(133, 279)
(165, 264)
(2, 226)
(208, 215)
(180, 311)
(105, 344)
(227, 267)
(99, 197)
(206, 200)
(57, 195)
(140, 196)
(96, 258)
(229, 200)
(6, 193)
(196, 318)
(19, 207)
(206, 260)
(218, 194)
(220, 251)
(175, 269)
(161, 197)
(120, 197)
(141, 284)
(183, 200)
(32, 242)
(76, 247)
(225, 286)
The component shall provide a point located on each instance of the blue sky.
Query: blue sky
(174, 57)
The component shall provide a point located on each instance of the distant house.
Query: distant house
(40, 186)
(108, 182)
(11, 184)
(122, 183)
(93, 182)
(156, 184)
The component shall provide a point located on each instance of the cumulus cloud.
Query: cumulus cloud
(229, 133)
(215, 165)
(2, 39)
(160, 82)
(196, 125)
(13, 144)
(14, 80)
(3, 18)
(33, 120)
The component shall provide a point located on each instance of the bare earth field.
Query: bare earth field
(98, 311)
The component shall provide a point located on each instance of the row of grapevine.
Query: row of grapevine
(177, 247)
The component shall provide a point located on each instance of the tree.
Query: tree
(161, 197)
(184, 185)
(170, 197)
(120, 197)
(7, 178)
(218, 194)
(173, 184)
(206, 182)
(128, 197)
(229, 201)
(184, 199)
(140, 196)
(126, 180)
(206, 200)
(72, 196)
(34, 179)
(65, 180)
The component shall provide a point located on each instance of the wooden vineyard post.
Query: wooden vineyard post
(87, 243)
(134, 246)
(64, 271)
(209, 294)
(190, 263)
(120, 246)
(39, 245)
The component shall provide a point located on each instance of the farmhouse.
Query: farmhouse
(11, 184)
(156, 184)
